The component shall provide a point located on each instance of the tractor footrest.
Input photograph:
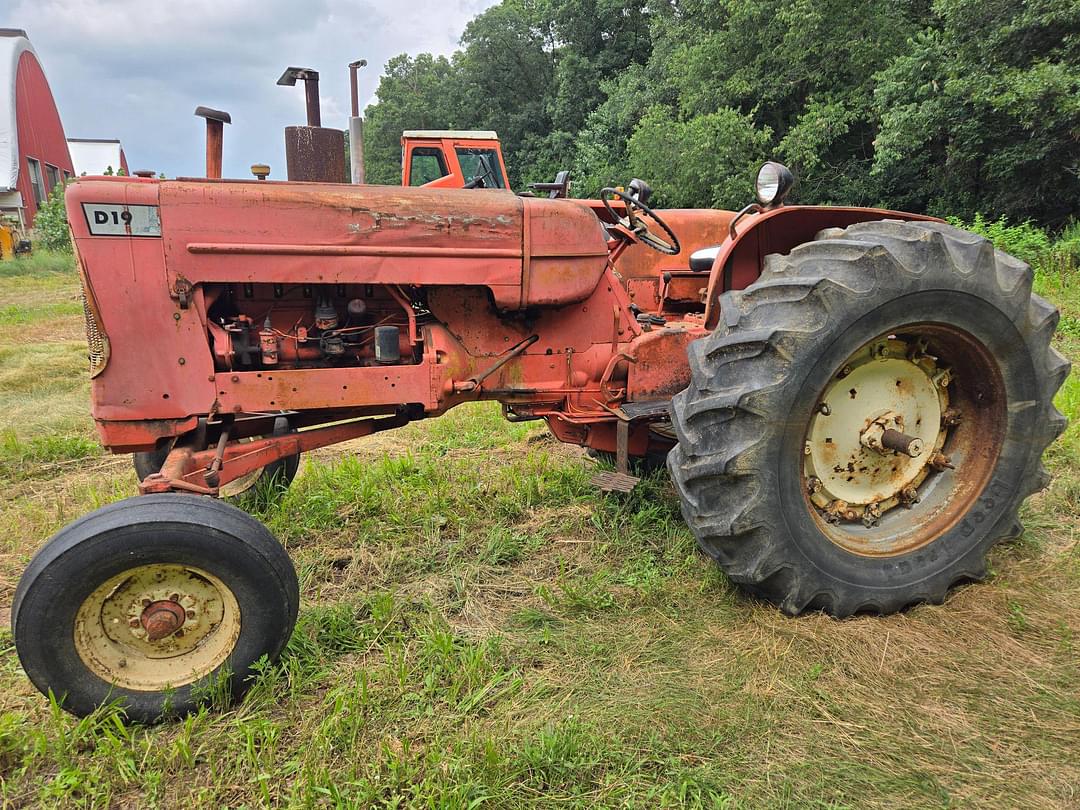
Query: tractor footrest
(611, 481)
(659, 408)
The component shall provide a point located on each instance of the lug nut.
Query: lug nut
(951, 418)
(824, 409)
(909, 496)
(940, 461)
(813, 484)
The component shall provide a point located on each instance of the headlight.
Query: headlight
(774, 181)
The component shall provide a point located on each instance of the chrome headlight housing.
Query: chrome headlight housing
(774, 181)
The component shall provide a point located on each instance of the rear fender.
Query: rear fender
(741, 259)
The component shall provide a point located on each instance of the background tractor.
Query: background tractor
(853, 403)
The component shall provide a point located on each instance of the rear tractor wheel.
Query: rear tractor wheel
(158, 601)
(866, 422)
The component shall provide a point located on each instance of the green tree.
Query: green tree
(707, 161)
(948, 106)
(983, 112)
(424, 92)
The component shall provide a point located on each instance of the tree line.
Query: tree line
(942, 106)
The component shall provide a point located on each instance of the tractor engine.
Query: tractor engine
(290, 326)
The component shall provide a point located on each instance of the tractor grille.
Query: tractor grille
(96, 339)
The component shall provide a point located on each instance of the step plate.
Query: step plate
(614, 481)
(660, 408)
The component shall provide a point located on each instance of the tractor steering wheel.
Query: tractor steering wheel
(634, 221)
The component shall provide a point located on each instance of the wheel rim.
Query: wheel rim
(239, 486)
(157, 626)
(903, 439)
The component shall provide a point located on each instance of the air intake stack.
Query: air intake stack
(313, 153)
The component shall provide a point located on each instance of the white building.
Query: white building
(96, 156)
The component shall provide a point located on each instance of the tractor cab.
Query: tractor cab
(452, 159)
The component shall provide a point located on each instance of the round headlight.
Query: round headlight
(774, 181)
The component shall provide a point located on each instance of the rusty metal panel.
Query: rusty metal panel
(315, 154)
(661, 369)
(297, 389)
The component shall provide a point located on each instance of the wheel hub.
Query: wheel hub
(156, 626)
(162, 618)
(876, 432)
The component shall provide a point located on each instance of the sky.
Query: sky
(137, 69)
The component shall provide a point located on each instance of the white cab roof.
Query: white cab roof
(471, 134)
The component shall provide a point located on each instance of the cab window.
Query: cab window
(481, 163)
(427, 165)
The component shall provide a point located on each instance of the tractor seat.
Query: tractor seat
(701, 261)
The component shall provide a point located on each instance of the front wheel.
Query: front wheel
(158, 602)
(867, 420)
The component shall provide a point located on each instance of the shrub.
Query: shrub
(1025, 241)
(50, 224)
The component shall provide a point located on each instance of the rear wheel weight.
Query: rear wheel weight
(959, 331)
(150, 601)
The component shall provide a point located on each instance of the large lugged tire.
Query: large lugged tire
(157, 602)
(868, 417)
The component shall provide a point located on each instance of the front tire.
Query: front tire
(156, 602)
(780, 466)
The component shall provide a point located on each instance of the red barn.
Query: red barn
(33, 150)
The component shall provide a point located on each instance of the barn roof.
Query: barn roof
(13, 44)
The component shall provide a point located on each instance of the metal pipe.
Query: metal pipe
(215, 136)
(353, 67)
(356, 126)
(310, 78)
(215, 147)
(311, 98)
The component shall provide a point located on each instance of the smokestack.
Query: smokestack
(215, 135)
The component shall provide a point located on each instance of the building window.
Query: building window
(52, 174)
(67, 175)
(36, 182)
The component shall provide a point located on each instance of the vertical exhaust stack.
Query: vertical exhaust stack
(215, 135)
(313, 153)
(356, 126)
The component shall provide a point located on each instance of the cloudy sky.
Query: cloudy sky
(136, 69)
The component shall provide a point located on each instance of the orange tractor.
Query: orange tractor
(853, 403)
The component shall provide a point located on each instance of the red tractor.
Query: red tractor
(853, 403)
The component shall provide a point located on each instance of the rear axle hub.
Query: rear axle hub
(875, 432)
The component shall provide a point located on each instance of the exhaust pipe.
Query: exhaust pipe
(356, 126)
(215, 135)
(310, 78)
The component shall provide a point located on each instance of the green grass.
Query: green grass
(480, 628)
(39, 263)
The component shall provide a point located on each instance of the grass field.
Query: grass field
(480, 628)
